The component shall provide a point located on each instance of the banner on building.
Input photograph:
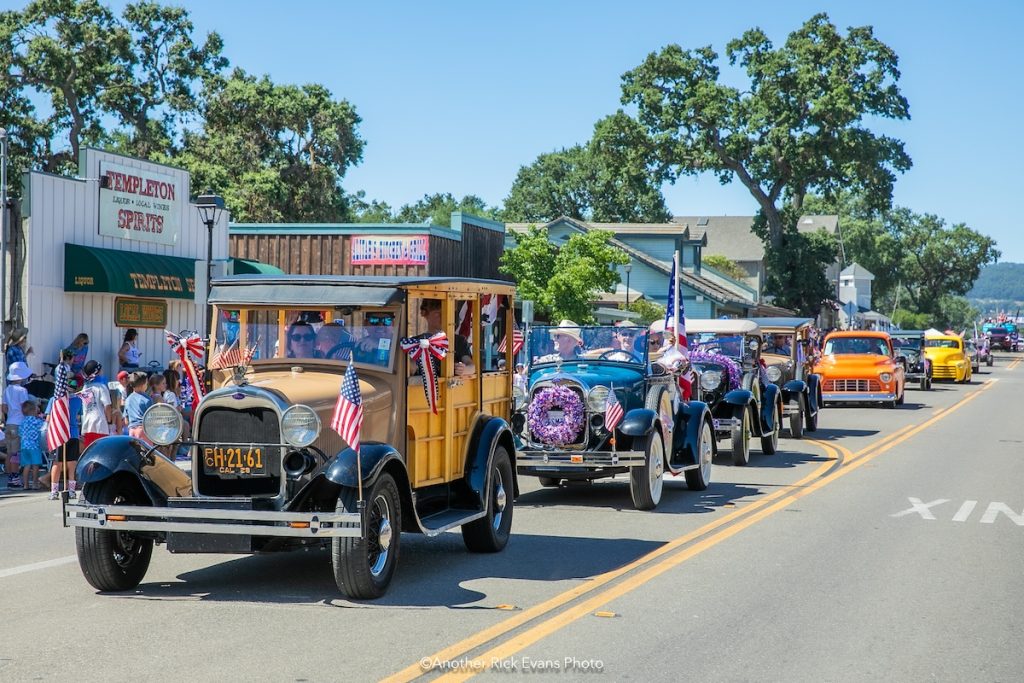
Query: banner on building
(140, 204)
(130, 312)
(397, 250)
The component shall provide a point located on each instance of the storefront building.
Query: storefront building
(120, 246)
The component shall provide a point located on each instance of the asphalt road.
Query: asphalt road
(885, 548)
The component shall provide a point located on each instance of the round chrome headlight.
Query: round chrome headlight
(885, 377)
(162, 424)
(300, 426)
(774, 373)
(597, 399)
(710, 380)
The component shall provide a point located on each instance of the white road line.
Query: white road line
(36, 566)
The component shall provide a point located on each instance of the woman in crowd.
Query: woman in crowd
(79, 353)
(15, 347)
(129, 354)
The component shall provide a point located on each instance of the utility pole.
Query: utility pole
(3, 231)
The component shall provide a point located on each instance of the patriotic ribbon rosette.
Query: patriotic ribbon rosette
(428, 352)
(187, 346)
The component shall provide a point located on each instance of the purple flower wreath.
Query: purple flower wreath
(555, 432)
(733, 374)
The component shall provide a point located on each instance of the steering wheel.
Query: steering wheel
(622, 352)
(334, 353)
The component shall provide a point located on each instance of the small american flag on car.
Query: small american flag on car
(612, 412)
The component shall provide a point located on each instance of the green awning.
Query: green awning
(92, 269)
(244, 266)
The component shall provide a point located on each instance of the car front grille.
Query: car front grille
(859, 386)
(943, 372)
(223, 425)
(581, 436)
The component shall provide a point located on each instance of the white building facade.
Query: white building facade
(120, 246)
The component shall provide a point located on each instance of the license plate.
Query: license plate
(556, 415)
(576, 459)
(234, 461)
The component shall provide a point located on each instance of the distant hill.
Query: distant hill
(999, 286)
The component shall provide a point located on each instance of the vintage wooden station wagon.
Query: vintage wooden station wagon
(269, 474)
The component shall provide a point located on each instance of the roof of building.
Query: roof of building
(730, 236)
(857, 271)
(811, 223)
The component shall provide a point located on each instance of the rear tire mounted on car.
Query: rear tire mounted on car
(363, 567)
(489, 534)
(113, 560)
(645, 481)
(741, 438)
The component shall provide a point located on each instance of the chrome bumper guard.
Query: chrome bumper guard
(724, 424)
(853, 396)
(214, 521)
(579, 459)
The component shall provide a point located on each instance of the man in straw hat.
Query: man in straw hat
(14, 346)
(567, 340)
(623, 339)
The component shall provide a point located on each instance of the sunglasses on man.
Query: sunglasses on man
(302, 337)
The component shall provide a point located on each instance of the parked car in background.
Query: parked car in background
(949, 358)
(743, 402)
(789, 360)
(861, 366)
(909, 345)
(268, 473)
(577, 375)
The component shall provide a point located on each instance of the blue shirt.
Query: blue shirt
(14, 354)
(135, 407)
(32, 434)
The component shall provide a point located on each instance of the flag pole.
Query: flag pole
(675, 297)
(64, 492)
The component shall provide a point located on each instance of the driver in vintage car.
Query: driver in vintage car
(568, 340)
(623, 338)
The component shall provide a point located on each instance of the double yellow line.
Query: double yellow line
(737, 520)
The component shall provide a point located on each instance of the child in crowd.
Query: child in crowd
(172, 392)
(31, 445)
(137, 403)
(96, 411)
(157, 387)
(14, 397)
(66, 457)
(62, 373)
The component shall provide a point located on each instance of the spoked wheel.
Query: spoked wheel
(113, 560)
(699, 478)
(741, 439)
(490, 533)
(770, 442)
(363, 567)
(645, 482)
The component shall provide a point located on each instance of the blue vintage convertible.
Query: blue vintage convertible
(579, 378)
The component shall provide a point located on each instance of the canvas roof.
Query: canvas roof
(729, 326)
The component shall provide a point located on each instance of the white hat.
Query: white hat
(658, 326)
(18, 371)
(569, 329)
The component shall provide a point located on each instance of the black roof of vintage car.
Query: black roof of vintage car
(906, 333)
(782, 322)
(331, 290)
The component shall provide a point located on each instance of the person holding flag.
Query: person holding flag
(63, 434)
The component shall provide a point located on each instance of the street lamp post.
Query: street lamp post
(628, 267)
(210, 206)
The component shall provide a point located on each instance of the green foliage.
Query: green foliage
(797, 127)
(649, 311)
(908, 320)
(373, 211)
(562, 281)
(606, 180)
(796, 267)
(999, 281)
(437, 209)
(724, 265)
(277, 153)
(955, 313)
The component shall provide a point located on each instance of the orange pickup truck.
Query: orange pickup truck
(860, 366)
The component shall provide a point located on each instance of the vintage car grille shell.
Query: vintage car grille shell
(227, 425)
(852, 385)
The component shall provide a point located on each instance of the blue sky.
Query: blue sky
(456, 96)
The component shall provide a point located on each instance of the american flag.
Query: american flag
(517, 342)
(680, 325)
(348, 411)
(58, 424)
(612, 412)
(231, 357)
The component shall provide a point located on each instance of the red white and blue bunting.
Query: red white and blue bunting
(187, 346)
(428, 352)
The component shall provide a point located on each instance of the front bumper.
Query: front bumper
(214, 521)
(855, 397)
(579, 459)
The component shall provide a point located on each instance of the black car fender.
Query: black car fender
(488, 433)
(687, 424)
(638, 422)
(118, 456)
(769, 401)
(343, 470)
(793, 390)
(739, 397)
(813, 392)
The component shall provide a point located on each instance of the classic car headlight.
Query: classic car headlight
(885, 377)
(710, 380)
(162, 424)
(597, 399)
(774, 373)
(300, 426)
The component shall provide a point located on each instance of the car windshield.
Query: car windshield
(857, 345)
(942, 343)
(366, 337)
(569, 343)
(906, 342)
(731, 345)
